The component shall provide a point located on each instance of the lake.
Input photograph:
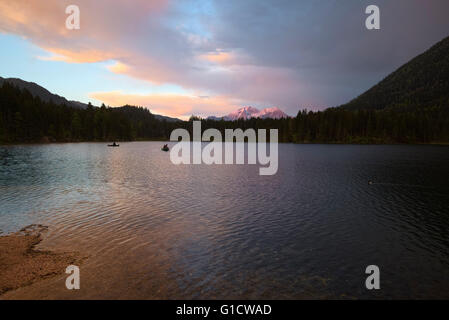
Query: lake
(151, 229)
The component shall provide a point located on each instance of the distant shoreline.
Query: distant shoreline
(2, 144)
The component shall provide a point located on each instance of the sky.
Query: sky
(200, 57)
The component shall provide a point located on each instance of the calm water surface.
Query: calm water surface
(151, 229)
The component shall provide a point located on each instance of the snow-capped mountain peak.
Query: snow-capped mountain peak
(248, 112)
(273, 113)
(243, 113)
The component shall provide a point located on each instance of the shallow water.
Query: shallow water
(152, 229)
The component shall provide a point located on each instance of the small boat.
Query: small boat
(165, 148)
(113, 145)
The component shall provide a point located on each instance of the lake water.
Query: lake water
(151, 229)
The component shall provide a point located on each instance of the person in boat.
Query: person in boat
(114, 144)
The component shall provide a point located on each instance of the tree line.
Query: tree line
(24, 118)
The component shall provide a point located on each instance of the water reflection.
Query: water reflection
(155, 230)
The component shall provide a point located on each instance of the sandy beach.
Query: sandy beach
(21, 264)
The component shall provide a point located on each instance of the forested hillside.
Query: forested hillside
(38, 91)
(421, 83)
(24, 118)
(339, 125)
(409, 106)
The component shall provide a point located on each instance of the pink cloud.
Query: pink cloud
(175, 105)
(300, 53)
(138, 36)
(146, 42)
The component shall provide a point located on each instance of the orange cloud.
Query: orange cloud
(118, 67)
(146, 41)
(83, 56)
(175, 105)
(217, 57)
(104, 23)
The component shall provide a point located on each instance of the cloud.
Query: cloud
(171, 104)
(290, 54)
(118, 67)
(217, 57)
(81, 56)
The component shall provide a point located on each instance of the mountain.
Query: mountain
(38, 91)
(168, 119)
(271, 113)
(27, 118)
(246, 113)
(422, 82)
(45, 95)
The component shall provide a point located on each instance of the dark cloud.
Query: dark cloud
(290, 54)
(325, 43)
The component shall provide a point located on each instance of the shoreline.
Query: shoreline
(21, 264)
(441, 144)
